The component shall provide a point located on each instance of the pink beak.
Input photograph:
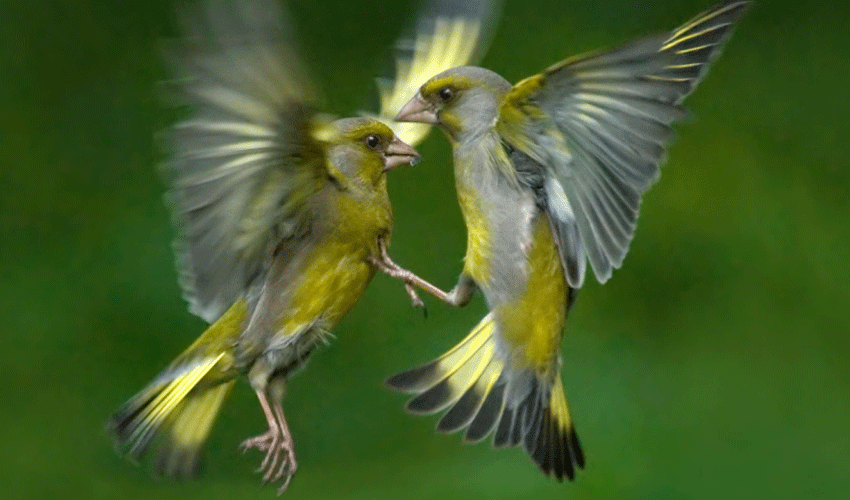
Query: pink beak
(399, 153)
(417, 110)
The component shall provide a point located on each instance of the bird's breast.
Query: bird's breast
(332, 277)
(478, 242)
(498, 215)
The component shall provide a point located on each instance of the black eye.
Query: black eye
(445, 94)
(373, 141)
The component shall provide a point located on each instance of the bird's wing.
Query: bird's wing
(598, 125)
(242, 164)
(448, 33)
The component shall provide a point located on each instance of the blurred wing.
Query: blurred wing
(239, 165)
(449, 33)
(597, 126)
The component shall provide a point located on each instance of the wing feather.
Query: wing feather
(448, 33)
(597, 127)
(243, 162)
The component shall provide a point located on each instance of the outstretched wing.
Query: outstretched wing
(597, 126)
(240, 165)
(448, 33)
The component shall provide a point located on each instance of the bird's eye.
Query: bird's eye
(445, 94)
(373, 141)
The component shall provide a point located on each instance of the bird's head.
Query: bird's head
(362, 150)
(462, 101)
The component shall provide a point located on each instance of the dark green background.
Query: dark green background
(713, 365)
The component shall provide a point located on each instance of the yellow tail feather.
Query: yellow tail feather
(181, 404)
(187, 431)
(168, 405)
(484, 394)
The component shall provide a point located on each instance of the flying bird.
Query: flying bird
(549, 174)
(282, 216)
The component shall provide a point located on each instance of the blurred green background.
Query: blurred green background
(713, 365)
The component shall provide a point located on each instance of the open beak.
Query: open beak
(417, 110)
(399, 153)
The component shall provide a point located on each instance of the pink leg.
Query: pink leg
(386, 265)
(277, 441)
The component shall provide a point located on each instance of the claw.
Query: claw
(279, 462)
(414, 298)
(392, 269)
(256, 442)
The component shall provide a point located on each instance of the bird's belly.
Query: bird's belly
(531, 323)
(327, 284)
(331, 280)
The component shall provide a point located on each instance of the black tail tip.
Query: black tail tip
(559, 457)
(575, 446)
(396, 382)
(410, 380)
(116, 430)
(176, 463)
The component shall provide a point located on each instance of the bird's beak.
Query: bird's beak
(417, 110)
(399, 153)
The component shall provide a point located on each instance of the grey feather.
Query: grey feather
(235, 163)
(607, 121)
(488, 414)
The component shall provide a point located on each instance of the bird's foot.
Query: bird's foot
(261, 442)
(279, 463)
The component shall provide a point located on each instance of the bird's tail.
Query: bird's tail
(483, 392)
(178, 408)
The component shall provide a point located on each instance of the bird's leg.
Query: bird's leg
(279, 462)
(289, 464)
(461, 293)
(264, 441)
(387, 265)
(402, 274)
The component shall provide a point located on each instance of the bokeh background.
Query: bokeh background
(713, 365)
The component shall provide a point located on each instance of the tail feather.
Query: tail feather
(465, 409)
(171, 407)
(550, 438)
(449, 391)
(188, 430)
(424, 377)
(445, 380)
(488, 414)
(484, 394)
(180, 405)
(504, 429)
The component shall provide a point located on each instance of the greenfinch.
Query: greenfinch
(282, 214)
(549, 174)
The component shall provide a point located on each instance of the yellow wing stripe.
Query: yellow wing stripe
(683, 66)
(695, 49)
(676, 41)
(446, 48)
(176, 391)
(153, 414)
(238, 128)
(703, 18)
